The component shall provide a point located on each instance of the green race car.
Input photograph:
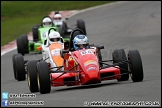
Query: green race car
(24, 46)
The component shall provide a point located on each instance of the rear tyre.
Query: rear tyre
(32, 76)
(76, 33)
(100, 57)
(35, 32)
(20, 46)
(61, 30)
(135, 65)
(25, 43)
(65, 26)
(81, 25)
(43, 78)
(14, 65)
(20, 68)
(119, 56)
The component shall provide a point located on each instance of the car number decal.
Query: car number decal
(86, 52)
(44, 34)
(55, 52)
(91, 68)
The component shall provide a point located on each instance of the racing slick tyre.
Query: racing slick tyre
(14, 65)
(20, 46)
(81, 25)
(20, 68)
(61, 30)
(119, 56)
(25, 43)
(43, 78)
(99, 57)
(65, 26)
(32, 76)
(76, 33)
(135, 65)
(35, 32)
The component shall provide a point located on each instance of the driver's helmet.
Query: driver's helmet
(57, 16)
(80, 42)
(54, 37)
(47, 22)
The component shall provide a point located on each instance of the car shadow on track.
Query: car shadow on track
(90, 86)
(8, 81)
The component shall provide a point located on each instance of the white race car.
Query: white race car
(50, 54)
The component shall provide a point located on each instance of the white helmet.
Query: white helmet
(57, 17)
(54, 37)
(47, 22)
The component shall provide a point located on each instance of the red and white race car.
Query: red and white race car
(83, 67)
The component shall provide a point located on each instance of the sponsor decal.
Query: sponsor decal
(44, 34)
(91, 68)
(55, 52)
(83, 75)
(93, 72)
(70, 58)
(90, 62)
(86, 52)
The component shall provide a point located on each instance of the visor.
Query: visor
(55, 39)
(57, 18)
(47, 23)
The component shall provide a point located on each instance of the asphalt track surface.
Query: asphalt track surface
(129, 25)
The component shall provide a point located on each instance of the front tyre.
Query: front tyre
(119, 56)
(25, 43)
(135, 65)
(20, 68)
(20, 46)
(32, 76)
(14, 65)
(43, 78)
(35, 33)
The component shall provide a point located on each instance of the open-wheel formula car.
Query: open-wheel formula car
(83, 67)
(24, 46)
(20, 65)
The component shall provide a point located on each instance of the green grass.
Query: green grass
(18, 17)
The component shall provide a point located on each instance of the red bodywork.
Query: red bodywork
(86, 72)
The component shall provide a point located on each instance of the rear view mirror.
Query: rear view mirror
(100, 47)
(65, 51)
(63, 55)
